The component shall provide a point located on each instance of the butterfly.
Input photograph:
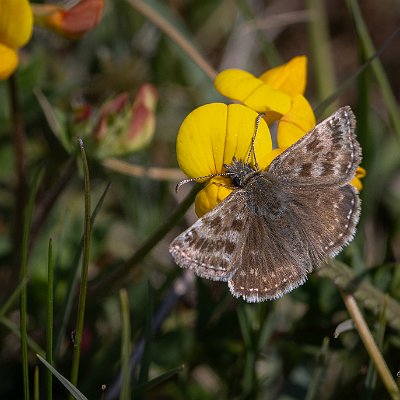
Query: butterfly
(279, 225)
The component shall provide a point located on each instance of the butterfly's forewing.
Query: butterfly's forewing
(208, 246)
(328, 154)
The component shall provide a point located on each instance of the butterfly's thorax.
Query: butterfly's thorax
(263, 192)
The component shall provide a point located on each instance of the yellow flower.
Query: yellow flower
(210, 137)
(15, 31)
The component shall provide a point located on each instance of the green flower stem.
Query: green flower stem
(370, 345)
(376, 65)
(320, 48)
(49, 330)
(84, 273)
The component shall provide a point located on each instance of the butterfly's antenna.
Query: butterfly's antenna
(253, 140)
(200, 177)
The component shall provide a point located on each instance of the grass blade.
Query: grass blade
(36, 384)
(144, 387)
(84, 272)
(23, 275)
(15, 329)
(49, 330)
(66, 383)
(125, 346)
(67, 307)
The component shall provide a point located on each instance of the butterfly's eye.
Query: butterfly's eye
(236, 181)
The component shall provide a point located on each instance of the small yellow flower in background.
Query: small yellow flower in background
(71, 23)
(16, 22)
(360, 173)
(210, 137)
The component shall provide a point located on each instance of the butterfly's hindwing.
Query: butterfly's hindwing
(314, 224)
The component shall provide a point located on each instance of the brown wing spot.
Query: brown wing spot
(327, 169)
(229, 247)
(312, 145)
(305, 169)
(215, 221)
(237, 225)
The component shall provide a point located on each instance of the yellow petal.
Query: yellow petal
(15, 22)
(215, 191)
(9, 61)
(270, 157)
(253, 92)
(290, 78)
(211, 135)
(360, 173)
(296, 123)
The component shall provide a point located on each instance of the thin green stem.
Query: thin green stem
(125, 346)
(36, 384)
(74, 281)
(49, 330)
(84, 272)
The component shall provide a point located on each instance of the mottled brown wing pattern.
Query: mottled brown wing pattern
(328, 154)
(265, 269)
(208, 246)
(281, 249)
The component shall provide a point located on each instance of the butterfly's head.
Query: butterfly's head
(239, 172)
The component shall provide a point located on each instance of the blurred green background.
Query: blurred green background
(206, 344)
